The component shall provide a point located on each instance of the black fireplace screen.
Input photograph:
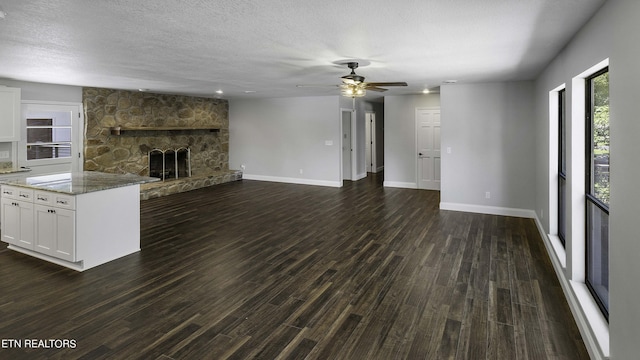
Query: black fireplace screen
(170, 164)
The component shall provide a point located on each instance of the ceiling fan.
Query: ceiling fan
(353, 85)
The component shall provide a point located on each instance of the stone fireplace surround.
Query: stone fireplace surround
(161, 122)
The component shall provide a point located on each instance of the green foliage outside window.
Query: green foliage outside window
(601, 139)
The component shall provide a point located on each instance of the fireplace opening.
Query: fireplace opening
(170, 164)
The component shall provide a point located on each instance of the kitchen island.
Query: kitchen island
(77, 220)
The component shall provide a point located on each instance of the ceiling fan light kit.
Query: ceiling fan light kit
(353, 85)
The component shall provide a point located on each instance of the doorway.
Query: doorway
(428, 148)
(370, 142)
(347, 144)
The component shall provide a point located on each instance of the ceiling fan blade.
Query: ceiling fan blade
(375, 88)
(402, 83)
(317, 85)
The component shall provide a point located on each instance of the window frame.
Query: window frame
(590, 198)
(562, 163)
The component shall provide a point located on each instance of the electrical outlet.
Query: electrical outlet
(301, 171)
(243, 167)
(487, 195)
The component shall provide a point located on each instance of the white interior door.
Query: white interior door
(428, 146)
(346, 145)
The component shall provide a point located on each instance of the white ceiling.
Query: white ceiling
(196, 47)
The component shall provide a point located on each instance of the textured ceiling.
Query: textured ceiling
(196, 47)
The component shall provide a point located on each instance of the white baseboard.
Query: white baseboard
(397, 184)
(491, 210)
(360, 176)
(590, 321)
(288, 180)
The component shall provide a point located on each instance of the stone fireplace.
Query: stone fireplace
(132, 132)
(145, 122)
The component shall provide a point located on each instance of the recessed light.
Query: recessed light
(249, 91)
(219, 91)
(143, 90)
(426, 91)
(450, 81)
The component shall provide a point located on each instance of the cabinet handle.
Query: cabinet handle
(24, 196)
(15, 204)
(51, 211)
(42, 198)
(63, 202)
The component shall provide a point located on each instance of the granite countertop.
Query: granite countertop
(78, 182)
(6, 171)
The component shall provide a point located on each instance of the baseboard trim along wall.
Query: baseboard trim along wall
(289, 180)
(491, 210)
(397, 184)
(360, 176)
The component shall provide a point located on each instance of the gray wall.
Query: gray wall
(275, 138)
(400, 137)
(46, 92)
(625, 196)
(489, 128)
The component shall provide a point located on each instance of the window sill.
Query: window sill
(593, 319)
(558, 250)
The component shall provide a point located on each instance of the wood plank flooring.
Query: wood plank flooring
(256, 270)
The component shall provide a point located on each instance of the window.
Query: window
(49, 138)
(562, 165)
(597, 187)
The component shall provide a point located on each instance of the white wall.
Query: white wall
(400, 156)
(275, 138)
(489, 129)
(611, 33)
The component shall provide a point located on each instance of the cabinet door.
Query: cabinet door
(44, 241)
(17, 223)
(55, 232)
(65, 241)
(9, 114)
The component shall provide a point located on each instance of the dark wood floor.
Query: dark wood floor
(255, 270)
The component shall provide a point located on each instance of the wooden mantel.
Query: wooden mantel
(118, 130)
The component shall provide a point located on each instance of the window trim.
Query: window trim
(562, 176)
(589, 197)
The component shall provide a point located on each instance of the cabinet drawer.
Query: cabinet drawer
(17, 193)
(55, 200)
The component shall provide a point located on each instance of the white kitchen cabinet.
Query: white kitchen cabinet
(9, 114)
(55, 232)
(77, 220)
(17, 222)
